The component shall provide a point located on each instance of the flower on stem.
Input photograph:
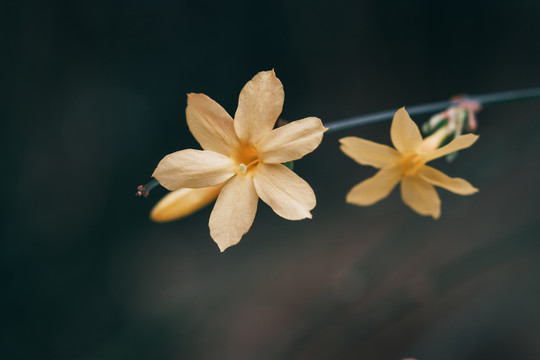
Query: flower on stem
(245, 156)
(406, 164)
(183, 202)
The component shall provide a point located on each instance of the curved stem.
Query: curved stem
(482, 99)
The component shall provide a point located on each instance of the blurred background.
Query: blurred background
(94, 94)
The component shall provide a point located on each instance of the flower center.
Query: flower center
(246, 159)
(410, 164)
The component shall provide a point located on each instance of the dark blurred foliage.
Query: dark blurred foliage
(93, 96)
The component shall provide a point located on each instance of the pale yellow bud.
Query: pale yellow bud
(183, 202)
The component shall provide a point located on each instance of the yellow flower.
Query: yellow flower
(246, 156)
(406, 164)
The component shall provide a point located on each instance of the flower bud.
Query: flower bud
(183, 202)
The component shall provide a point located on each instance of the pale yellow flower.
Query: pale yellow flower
(246, 156)
(406, 164)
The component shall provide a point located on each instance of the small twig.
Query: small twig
(482, 99)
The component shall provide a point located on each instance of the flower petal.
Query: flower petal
(259, 106)
(292, 141)
(285, 192)
(210, 124)
(459, 143)
(234, 211)
(420, 196)
(438, 178)
(377, 187)
(193, 169)
(404, 132)
(367, 152)
(183, 202)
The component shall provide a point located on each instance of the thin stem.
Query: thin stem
(507, 96)
(482, 99)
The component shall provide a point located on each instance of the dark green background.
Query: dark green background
(93, 96)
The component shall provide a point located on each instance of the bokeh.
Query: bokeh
(94, 96)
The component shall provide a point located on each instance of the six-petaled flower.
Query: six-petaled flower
(246, 156)
(406, 164)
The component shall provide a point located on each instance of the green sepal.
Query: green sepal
(452, 156)
(289, 164)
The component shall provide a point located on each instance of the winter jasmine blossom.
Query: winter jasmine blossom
(245, 157)
(406, 164)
